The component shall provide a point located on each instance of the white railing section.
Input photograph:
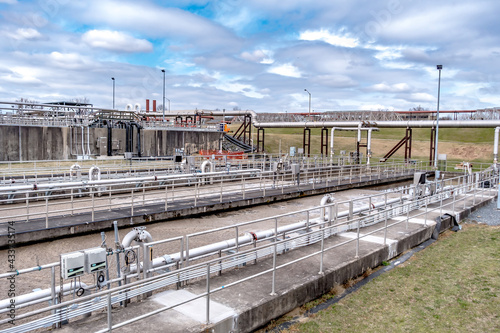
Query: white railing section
(49, 200)
(464, 190)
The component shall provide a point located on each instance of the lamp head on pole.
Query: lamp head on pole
(163, 71)
(113, 78)
(439, 67)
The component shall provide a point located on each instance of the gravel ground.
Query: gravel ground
(487, 214)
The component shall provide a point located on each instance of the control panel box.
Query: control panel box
(295, 169)
(95, 259)
(72, 264)
(419, 178)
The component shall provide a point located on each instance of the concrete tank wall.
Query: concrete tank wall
(28, 143)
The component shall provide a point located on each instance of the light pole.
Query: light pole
(163, 107)
(309, 101)
(439, 68)
(113, 79)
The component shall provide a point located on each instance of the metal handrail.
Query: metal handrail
(463, 185)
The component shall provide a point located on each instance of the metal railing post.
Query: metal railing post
(220, 190)
(243, 184)
(322, 251)
(53, 288)
(93, 203)
(357, 242)
(208, 295)
(166, 197)
(195, 194)
(27, 206)
(109, 196)
(426, 211)
(236, 239)
(46, 211)
(351, 208)
(110, 319)
(385, 228)
(407, 215)
(273, 293)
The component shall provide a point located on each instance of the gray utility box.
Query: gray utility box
(72, 264)
(419, 178)
(277, 166)
(295, 169)
(102, 144)
(95, 259)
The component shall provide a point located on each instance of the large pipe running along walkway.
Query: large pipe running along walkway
(74, 215)
(329, 124)
(275, 284)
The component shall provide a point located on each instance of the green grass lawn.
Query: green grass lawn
(452, 286)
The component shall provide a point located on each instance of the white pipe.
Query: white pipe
(138, 235)
(495, 146)
(327, 199)
(88, 140)
(250, 237)
(359, 129)
(5, 303)
(83, 140)
(124, 180)
(331, 142)
(321, 124)
(369, 147)
(203, 170)
(76, 169)
(204, 165)
(94, 173)
(385, 124)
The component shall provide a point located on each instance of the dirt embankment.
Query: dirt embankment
(420, 149)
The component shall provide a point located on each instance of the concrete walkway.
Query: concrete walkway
(35, 230)
(249, 304)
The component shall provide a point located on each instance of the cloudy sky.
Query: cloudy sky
(253, 54)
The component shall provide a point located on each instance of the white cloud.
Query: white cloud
(285, 70)
(116, 41)
(422, 97)
(70, 61)
(9, 2)
(375, 107)
(329, 37)
(259, 56)
(23, 75)
(26, 34)
(235, 87)
(384, 87)
(158, 22)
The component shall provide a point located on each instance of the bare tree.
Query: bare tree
(419, 108)
(81, 100)
(421, 115)
(28, 102)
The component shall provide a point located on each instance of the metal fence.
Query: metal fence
(384, 210)
(45, 201)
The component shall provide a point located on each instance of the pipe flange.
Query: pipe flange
(167, 258)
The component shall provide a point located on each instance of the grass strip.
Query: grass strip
(452, 286)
